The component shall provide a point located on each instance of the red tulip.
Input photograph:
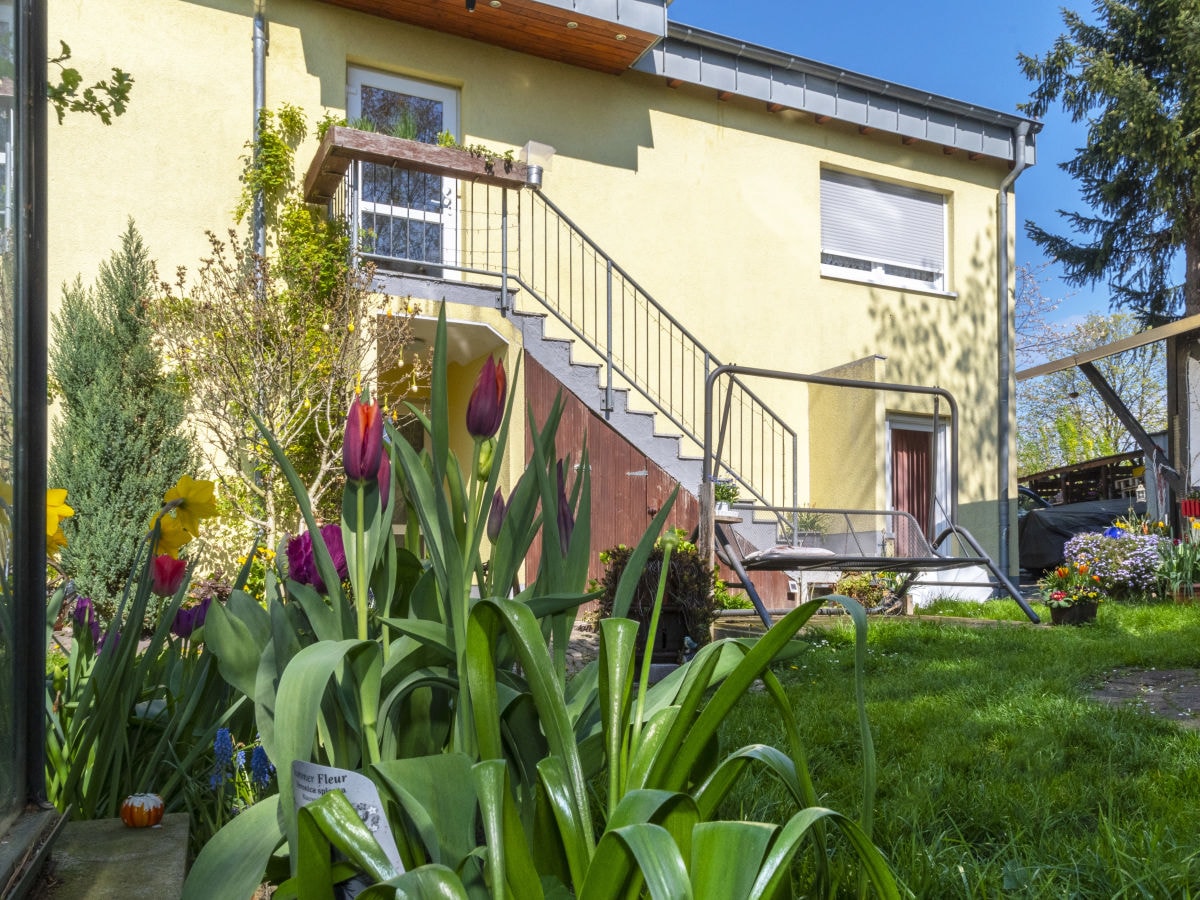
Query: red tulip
(166, 575)
(485, 409)
(363, 445)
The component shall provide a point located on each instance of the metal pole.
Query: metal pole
(608, 387)
(29, 338)
(504, 252)
(260, 99)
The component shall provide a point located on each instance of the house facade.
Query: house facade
(706, 202)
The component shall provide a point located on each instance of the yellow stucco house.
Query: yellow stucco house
(702, 201)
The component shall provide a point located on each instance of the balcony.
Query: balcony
(605, 35)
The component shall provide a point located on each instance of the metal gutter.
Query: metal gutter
(729, 66)
(260, 99)
(1004, 345)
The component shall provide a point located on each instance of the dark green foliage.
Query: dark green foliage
(117, 444)
(690, 586)
(1133, 78)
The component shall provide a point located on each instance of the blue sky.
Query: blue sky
(965, 50)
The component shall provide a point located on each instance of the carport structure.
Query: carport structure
(1169, 472)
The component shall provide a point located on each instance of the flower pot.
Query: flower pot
(669, 645)
(722, 508)
(1186, 596)
(1190, 508)
(1075, 614)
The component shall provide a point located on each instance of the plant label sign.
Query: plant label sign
(310, 781)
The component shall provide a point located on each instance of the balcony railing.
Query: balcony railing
(422, 222)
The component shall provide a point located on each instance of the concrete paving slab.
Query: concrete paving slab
(103, 859)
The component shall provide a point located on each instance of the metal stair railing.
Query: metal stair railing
(522, 240)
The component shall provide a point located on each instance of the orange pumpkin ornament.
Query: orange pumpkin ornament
(142, 810)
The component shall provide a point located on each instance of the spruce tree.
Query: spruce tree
(118, 443)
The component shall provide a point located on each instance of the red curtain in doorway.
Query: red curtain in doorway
(910, 481)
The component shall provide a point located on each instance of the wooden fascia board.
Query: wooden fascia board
(342, 145)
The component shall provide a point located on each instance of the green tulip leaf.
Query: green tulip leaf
(231, 865)
(635, 854)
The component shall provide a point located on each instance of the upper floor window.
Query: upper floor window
(882, 233)
(403, 215)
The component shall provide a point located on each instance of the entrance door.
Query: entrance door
(911, 476)
(407, 220)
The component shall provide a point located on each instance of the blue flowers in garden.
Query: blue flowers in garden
(261, 769)
(229, 764)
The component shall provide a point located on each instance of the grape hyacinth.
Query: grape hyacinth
(261, 769)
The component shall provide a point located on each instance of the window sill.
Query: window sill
(891, 286)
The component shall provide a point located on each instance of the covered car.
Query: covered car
(1043, 531)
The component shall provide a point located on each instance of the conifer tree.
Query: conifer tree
(1132, 77)
(118, 443)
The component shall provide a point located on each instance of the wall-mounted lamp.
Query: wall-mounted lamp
(536, 157)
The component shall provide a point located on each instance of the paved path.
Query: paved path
(1171, 694)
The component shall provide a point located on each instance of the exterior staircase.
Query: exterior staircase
(610, 343)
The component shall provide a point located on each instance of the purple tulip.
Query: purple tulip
(302, 565)
(485, 409)
(363, 444)
(566, 522)
(84, 615)
(495, 516)
(105, 642)
(188, 620)
(385, 479)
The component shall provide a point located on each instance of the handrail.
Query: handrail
(523, 239)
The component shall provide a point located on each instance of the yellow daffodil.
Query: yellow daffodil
(56, 509)
(171, 536)
(55, 542)
(196, 502)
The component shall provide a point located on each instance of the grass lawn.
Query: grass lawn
(997, 776)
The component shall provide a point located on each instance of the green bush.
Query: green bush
(690, 586)
(118, 444)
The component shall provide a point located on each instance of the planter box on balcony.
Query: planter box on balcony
(342, 146)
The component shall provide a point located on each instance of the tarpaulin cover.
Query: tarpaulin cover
(1044, 531)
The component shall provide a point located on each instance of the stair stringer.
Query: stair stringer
(637, 426)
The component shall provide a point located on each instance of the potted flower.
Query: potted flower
(688, 607)
(1189, 506)
(725, 494)
(1072, 592)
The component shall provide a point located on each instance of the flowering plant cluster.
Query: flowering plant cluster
(1126, 564)
(1179, 567)
(1070, 584)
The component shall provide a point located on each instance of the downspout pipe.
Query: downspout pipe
(260, 100)
(1004, 317)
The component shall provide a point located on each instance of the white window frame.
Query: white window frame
(356, 78)
(878, 232)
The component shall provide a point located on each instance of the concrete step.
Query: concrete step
(103, 859)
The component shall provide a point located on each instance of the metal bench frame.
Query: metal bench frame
(716, 542)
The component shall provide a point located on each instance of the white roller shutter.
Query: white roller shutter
(870, 226)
